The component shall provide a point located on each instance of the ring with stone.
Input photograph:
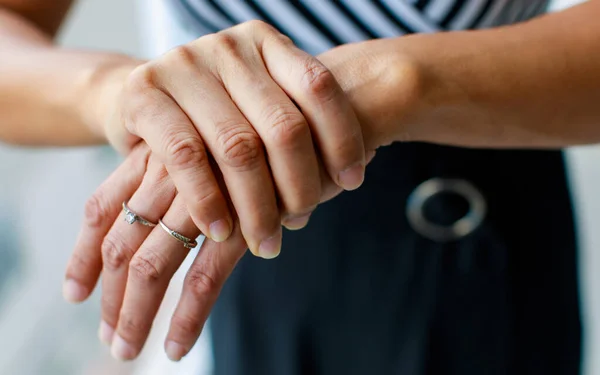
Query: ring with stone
(188, 243)
(131, 217)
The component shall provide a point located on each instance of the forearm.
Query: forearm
(49, 95)
(535, 84)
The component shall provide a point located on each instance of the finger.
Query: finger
(284, 132)
(150, 271)
(83, 269)
(238, 151)
(370, 155)
(151, 201)
(204, 280)
(329, 189)
(157, 118)
(335, 127)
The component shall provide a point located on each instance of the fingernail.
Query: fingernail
(74, 292)
(296, 222)
(175, 351)
(220, 230)
(271, 247)
(122, 350)
(352, 177)
(105, 333)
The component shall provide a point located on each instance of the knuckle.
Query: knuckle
(132, 325)
(286, 126)
(134, 106)
(187, 324)
(258, 26)
(115, 252)
(180, 56)
(147, 268)
(201, 284)
(283, 39)
(318, 81)
(306, 203)
(184, 152)
(239, 149)
(96, 211)
(209, 196)
(140, 78)
(110, 309)
(222, 43)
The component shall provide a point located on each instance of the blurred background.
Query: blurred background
(42, 194)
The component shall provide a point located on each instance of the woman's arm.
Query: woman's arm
(45, 91)
(246, 98)
(535, 84)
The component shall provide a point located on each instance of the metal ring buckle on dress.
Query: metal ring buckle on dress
(441, 233)
(187, 242)
(131, 217)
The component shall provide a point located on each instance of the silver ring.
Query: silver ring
(187, 242)
(131, 217)
(441, 233)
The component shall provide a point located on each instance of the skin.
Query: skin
(234, 98)
(533, 85)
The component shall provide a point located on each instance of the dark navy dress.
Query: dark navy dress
(368, 289)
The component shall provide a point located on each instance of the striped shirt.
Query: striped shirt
(318, 25)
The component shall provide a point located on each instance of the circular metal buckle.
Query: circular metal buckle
(441, 233)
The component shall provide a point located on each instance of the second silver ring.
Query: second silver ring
(187, 242)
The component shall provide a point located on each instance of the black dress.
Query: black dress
(360, 292)
(365, 290)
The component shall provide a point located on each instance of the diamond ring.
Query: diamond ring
(131, 217)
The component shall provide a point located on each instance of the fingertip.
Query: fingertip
(220, 230)
(106, 333)
(271, 247)
(296, 223)
(352, 178)
(175, 351)
(74, 292)
(122, 350)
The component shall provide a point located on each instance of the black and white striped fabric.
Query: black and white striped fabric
(318, 25)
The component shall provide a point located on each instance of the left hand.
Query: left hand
(138, 264)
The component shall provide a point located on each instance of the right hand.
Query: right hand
(230, 98)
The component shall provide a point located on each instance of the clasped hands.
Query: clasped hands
(231, 136)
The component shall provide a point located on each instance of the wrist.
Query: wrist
(470, 88)
(100, 87)
(443, 100)
(385, 87)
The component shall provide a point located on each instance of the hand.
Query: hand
(137, 261)
(231, 97)
(136, 274)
